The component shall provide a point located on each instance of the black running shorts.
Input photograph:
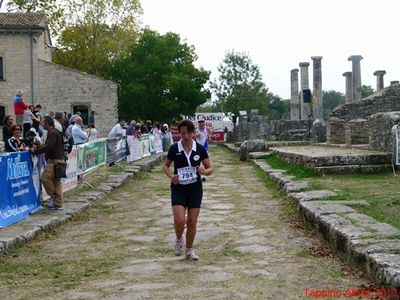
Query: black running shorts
(188, 196)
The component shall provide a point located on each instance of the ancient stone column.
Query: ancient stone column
(356, 70)
(317, 88)
(379, 79)
(294, 95)
(349, 87)
(305, 107)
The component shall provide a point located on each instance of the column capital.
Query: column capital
(355, 58)
(379, 72)
(347, 73)
(316, 57)
(304, 64)
(294, 70)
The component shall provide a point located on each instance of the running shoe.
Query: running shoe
(179, 246)
(190, 255)
(55, 207)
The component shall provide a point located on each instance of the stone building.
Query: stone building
(26, 63)
(368, 121)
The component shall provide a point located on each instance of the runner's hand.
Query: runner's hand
(201, 170)
(175, 179)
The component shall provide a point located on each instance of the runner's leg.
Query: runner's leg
(191, 225)
(179, 220)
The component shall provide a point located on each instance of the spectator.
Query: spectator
(78, 134)
(156, 129)
(28, 119)
(68, 131)
(59, 122)
(118, 130)
(54, 155)
(32, 138)
(15, 143)
(91, 118)
(137, 133)
(19, 106)
(131, 128)
(8, 120)
(91, 132)
(38, 116)
(51, 114)
(74, 116)
(149, 126)
(67, 117)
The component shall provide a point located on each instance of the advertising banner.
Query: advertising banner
(152, 143)
(145, 145)
(135, 149)
(20, 186)
(214, 123)
(71, 181)
(116, 149)
(91, 155)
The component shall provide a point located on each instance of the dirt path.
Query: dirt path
(123, 248)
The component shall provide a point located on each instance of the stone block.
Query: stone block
(251, 146)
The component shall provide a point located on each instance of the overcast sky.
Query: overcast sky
(279, 34)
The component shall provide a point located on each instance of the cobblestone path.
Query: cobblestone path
(123, 248)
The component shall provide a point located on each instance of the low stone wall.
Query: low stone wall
(380, 135)
(356, 132)
(289, 130)
(335, 131)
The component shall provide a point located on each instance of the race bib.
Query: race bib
(187, 175)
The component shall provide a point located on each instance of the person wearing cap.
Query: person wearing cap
(202, 133)
(190, 161)
(19, 106)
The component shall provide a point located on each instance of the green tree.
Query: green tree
(90, 34)
(158, 79)
(331, 99)
(277, 107)
(239, 85)
(366, 90)
(52, 9)
(97, 33)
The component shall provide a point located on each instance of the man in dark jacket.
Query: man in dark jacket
(54, 154)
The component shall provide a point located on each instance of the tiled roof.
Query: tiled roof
(21, 19)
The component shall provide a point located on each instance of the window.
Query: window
(1, 69)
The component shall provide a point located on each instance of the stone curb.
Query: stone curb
(26, 230)
(358, 238)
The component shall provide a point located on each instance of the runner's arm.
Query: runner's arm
(167, 171)
(206, 168)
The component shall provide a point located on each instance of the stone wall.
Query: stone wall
(17, 74)
(335, 131)
(289, 130)
(385, 100)
(380, 124)
(356, 132)
(60, 88)
(15, 50)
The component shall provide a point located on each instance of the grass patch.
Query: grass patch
(334, 273)
(381, 191)
(303, 253)
(299, 172)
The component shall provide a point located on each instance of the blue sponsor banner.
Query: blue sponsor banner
(20, 186)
